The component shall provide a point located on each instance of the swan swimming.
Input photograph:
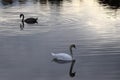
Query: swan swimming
(64, 56)
(29, 20)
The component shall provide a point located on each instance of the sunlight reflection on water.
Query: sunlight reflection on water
(68, 13)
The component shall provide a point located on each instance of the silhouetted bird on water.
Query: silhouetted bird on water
(29, 20)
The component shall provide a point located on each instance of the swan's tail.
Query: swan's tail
(37, 18)
(52, 54)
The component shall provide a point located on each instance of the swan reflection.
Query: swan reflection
(71, 72)
(61, 61)
(22, 26)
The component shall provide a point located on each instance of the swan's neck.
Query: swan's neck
(22, 18)
(71, 52)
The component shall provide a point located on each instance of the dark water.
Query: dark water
(90, 24)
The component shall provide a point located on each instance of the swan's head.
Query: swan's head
(72, 46)
(21, 15)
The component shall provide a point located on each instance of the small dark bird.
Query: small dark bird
(29, 20)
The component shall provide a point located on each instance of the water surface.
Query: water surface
(94, 28)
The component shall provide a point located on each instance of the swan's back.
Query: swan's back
(31, 20)
(62, 56)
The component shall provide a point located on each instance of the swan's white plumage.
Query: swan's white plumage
(62, 56)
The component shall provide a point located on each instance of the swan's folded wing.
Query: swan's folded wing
(62, 56)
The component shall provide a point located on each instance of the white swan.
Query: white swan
(64, 56)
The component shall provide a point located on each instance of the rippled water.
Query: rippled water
(94, 28)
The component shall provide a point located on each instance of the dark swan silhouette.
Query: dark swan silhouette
(29, 20)
(64, 56)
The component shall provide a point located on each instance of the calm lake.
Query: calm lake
(92, 25)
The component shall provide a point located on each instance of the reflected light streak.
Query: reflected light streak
(97, 19)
